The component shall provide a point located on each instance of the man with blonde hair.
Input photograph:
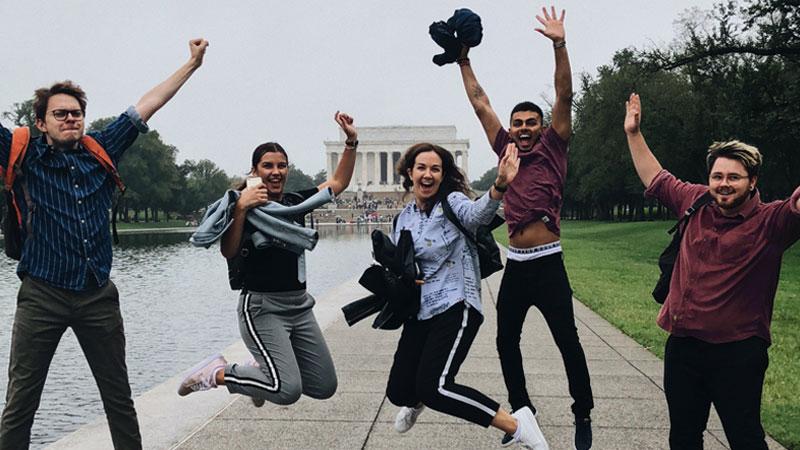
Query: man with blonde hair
(720, 300)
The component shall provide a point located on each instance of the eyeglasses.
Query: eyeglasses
(61, 114)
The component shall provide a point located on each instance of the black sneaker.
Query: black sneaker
(583, 433)
(507, 440)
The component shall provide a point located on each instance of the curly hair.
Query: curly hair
(42, 96)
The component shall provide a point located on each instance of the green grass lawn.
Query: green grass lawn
(612, 268)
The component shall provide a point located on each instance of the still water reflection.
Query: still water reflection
(177, 308)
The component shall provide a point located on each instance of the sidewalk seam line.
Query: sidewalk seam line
(203, 425)
(372, 425)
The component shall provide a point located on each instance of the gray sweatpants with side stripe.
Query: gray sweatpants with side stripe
(283, 336)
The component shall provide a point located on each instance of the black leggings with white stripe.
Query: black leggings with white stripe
(291, 353)
(426, 362)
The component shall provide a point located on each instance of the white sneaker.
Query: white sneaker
(529, 434)
(201, 376)
(407, 417)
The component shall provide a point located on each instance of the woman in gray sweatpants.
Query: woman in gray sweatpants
(290, 356)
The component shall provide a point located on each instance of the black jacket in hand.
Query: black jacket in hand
(464, 28)
(392, 283)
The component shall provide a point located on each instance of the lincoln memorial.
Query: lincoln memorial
(379, 150)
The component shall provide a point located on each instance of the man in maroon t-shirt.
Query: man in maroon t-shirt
(535, 274)
(719, 306)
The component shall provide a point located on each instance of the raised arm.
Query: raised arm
(562, 108)
(157, 97)
(478, 98)
(344, 171)
(647, 166)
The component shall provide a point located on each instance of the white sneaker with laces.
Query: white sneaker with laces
(407, 417)
(201, 376)
(528, 432)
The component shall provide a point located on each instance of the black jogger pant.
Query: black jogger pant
(542, 283)
(426, 362)
(730, 375)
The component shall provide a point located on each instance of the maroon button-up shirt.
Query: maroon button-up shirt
(537, 190)
(724, 281)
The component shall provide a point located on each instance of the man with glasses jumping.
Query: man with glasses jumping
(66, 255)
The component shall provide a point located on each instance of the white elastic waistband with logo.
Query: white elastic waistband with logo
(529, 254)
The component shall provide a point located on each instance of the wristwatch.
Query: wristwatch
(352, 144)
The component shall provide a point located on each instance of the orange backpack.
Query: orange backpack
(12, 221)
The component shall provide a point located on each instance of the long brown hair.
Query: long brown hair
(452, 178)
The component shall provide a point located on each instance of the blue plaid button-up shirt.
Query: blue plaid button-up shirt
(72, 193)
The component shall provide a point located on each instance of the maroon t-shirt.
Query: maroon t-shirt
(724, 281)
(537, 190)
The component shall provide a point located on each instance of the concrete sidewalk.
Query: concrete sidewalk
(630, 410)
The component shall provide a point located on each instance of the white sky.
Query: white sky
(277, 71)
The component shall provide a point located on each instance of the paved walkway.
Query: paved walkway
(630, 410)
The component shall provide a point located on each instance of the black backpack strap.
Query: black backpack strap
(451, 216)
(699, 203)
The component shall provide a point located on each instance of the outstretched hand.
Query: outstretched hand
(197, 50)
(553, 25)
(633, 114)
(346, 124)
(508, 167)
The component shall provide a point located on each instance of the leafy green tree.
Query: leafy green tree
(601, 178)
(754, 28)
(149, 171)
(743, 58)
(22, 115)
(297, 180)
(203, 183)
(320, 177)
(486, 180)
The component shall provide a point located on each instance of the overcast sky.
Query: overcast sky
(277, 71)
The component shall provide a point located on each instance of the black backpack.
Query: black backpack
(666, 262)
(488, 251)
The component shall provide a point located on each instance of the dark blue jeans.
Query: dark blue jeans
(43, 314)
(542, 283)
(730, 375)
